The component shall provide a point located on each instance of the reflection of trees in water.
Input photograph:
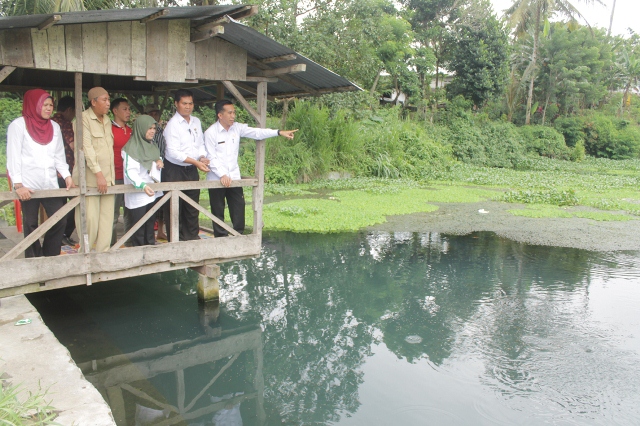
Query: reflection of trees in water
(321, 298)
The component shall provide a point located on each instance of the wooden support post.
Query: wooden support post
(208, 313)
(208, 284)
(116, 402)
(258, 191)
(81, 165)
(181, 389)
(219, 91)
(174, 225)
(258, 382)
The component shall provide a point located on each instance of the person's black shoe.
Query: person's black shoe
(68, 241)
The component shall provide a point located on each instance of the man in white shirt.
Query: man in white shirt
(222, 142)
(185, 155)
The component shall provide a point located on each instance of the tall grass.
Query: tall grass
(18, 410)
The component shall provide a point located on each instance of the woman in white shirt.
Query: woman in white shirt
(35, 152)
(139, 156)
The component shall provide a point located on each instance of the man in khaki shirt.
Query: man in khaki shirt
(97, 144)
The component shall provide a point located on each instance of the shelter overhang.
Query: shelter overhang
(155, 51)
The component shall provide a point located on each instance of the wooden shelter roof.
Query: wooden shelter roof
(208, 40)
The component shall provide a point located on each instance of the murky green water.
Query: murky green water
(369, 329)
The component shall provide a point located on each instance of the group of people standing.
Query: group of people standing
(40, 156)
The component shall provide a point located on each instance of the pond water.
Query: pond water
(368, 329)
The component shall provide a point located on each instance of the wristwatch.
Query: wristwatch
(14, 186)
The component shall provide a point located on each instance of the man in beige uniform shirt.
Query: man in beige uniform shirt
(97, 143)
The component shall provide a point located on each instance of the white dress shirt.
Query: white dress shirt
(222, 147)
(138, 176)
(31, 164)
(183, 140)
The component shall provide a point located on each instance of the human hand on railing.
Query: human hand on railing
(225, 180)
(201, 166)
(102, 183)
(69, 183)
(150, 192)
(24, 193)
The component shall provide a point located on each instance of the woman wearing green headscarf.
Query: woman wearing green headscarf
(140, 156)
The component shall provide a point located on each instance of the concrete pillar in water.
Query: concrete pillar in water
(208, 284)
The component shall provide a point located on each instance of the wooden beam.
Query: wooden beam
(318, 92)
(236, 94)
(5, 72)
(49, 22)
(292, 69)
(208, 214)
(40, 231)
(124, 189)
(220, 21)
(245, 13)
(251, 90)
(155, 16)
(26, 272)
(141, 222)
(207, 34)
(281, 58)
(261, 79)
(257, 64)
(133, 101)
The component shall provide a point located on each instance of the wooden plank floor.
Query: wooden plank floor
(11, 238)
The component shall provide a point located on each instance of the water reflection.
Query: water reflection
(373, 328)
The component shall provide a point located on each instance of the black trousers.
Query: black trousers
(71, 217)
(144, 236)
(53, 237)
(189, 226)
(235, 200)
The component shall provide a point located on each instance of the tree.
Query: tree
(571, 75)
(534, 14)
(431, 21)
(479, 57)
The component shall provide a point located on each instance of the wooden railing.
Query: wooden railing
(173, 192)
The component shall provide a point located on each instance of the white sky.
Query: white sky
(627, 14)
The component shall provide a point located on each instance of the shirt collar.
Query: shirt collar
(219, 127)
(181, 119)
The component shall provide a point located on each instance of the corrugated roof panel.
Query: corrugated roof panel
(115, 15)
(260, 47)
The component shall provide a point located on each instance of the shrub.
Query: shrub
(544, 141)
(611, 138)
(476, 140)
(572, 128)
(10, 109)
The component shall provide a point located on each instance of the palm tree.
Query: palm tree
(524, 15)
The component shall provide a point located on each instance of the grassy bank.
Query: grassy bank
(597, 189)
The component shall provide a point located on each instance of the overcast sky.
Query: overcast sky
(627, 14)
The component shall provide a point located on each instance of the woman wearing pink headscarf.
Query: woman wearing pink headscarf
(35, 153)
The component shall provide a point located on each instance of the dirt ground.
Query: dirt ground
(464, 218)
